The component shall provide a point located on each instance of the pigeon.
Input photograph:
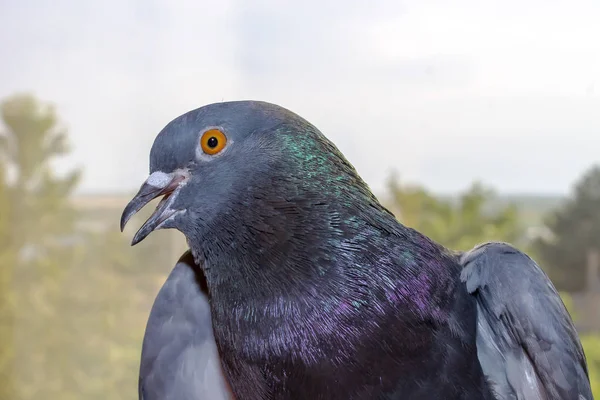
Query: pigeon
(299, 284)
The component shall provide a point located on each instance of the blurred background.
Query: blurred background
(472, 120)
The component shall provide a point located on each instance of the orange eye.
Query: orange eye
(213, 141)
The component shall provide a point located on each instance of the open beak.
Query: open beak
(157, 184)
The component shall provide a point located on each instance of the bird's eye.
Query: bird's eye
(213, 141)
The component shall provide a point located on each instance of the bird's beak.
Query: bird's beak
(157, 184)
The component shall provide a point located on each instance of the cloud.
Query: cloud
(443, 92)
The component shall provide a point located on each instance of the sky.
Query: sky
(444, 93)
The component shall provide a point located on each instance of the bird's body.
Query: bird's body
(316, 291)
(377, 312)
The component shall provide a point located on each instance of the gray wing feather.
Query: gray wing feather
(526, 341)
(179, 355)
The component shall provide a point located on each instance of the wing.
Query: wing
(179, 354)
(526, 342)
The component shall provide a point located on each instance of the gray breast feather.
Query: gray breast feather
(179, 355)
(526, 341)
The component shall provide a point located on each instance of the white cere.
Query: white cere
(159, 179)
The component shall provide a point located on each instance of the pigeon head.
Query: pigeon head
(238, 172)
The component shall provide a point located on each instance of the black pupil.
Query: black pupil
(212, 142)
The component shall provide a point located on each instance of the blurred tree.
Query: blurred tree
(74, 298)
(36, 219)
(591, 348)
(571, 251)
(456, 223)
(7, 322)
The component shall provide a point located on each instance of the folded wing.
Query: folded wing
(526, 341)
(179, 355)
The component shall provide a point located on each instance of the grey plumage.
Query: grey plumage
(179, 354)
(311, 289)
(526, 342)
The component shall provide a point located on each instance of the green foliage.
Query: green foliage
(7, 314)
(591, 348)
(71, 312)
(74, 297)
(575, 229)
(459, 224)
(35, 215)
